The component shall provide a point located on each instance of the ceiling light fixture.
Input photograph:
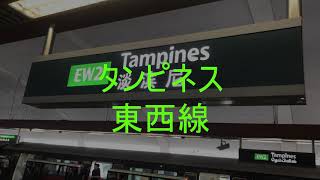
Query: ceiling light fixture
(40, 8)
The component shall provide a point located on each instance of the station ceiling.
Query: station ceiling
(14, 26)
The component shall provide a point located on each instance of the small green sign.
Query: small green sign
(87, 75)
(261, 157)
(8, 139)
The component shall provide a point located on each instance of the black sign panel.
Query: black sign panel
(278, 157)
(250, 66)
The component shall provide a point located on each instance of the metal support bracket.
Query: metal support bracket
(294, 9)
(49, 43)
(313, 147)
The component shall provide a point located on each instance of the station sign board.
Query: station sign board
(260, 64)
(278, 157)
(8, 139)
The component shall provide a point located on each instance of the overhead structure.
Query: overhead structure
(36, 9)
(99, 14)
(31, 19)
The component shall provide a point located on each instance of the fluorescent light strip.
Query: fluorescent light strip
(39, 8)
